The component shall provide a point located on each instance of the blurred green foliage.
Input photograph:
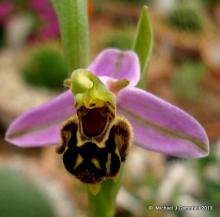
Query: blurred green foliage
(121, 41)
(20, 197)
(21, 2)
(185, 80)
(210, 2)
(210, 194)
(46, 68)
(185, 18)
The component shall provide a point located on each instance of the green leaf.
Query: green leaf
(73, 22)
(20, 196)
(143, 44)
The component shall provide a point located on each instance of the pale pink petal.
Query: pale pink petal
(117, 64)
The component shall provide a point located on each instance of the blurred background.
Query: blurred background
(184, 70)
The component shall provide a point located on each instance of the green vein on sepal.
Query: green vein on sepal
(166, 131)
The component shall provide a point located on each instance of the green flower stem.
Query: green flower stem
(103, 203)
(73, 22)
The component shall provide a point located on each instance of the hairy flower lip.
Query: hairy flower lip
(158, 125)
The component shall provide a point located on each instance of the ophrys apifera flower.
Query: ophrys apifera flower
(95, 141)
(94, 120)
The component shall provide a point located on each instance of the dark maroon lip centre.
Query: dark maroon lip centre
(94, 121)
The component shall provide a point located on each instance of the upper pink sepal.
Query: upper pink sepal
(117, 64)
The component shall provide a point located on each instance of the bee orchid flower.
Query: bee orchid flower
(156, 125)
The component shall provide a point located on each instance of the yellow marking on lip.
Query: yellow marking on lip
(118, 141)
(94, 188)
(117, 152)
(96, 163)
(79, 141)
(67, 135)
(79, 160)
(108, 164)
(100, 144)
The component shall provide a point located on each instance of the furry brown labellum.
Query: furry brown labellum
(94, 143)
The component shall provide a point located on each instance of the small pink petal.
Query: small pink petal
(160, 126)
(117, 64)
(40, 126)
